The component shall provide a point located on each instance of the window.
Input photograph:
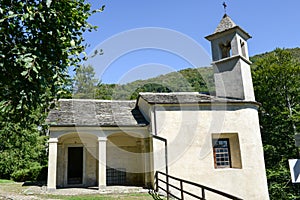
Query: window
(222, 153)
(243, 48)
(226, 150)
(225, 50)
(115, 176)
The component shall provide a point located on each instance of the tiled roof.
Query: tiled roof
(225, 24)
(178, 98)
(78, 112)
(189, 98)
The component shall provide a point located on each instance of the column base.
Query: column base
(102, 187)
(51, 189)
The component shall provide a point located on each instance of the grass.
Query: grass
(5, 181)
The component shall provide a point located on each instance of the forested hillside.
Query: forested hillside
(186, 80)
(295, 52)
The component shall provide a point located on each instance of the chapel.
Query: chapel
(212, 140)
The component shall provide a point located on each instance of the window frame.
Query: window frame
(220, 166)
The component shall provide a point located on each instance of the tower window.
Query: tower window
(225, 50)
(243, 48)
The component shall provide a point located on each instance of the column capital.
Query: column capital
(53, 140)
(102, 139)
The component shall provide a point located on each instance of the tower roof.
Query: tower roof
(225, 24)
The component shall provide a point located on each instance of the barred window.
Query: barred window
(115, 176)
(222, 153)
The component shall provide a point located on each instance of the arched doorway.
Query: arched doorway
(77, 160)
(128, 160)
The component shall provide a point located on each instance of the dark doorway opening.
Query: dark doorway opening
(75, 165)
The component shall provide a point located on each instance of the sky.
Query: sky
(139, 39)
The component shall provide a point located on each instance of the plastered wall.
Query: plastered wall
(189, 134)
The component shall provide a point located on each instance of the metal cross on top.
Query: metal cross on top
(225, 6)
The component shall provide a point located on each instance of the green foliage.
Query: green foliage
(105, 91)
(150, 87)
(85, 83)
(4, 181)
(187, 80)
(21, 149)
(31, 173)
(276, 79)
(295, 52)
(40, 40)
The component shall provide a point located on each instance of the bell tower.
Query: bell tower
(231, 61)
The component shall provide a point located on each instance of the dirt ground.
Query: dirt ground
(21, 191)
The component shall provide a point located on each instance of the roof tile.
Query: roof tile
(225, 24)
(96, 113)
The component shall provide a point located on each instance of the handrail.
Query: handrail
(182, 191)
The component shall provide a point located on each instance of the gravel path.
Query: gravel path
(16, 191)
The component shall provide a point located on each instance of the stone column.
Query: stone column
(52, 164)
(102, 162)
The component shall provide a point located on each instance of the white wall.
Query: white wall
(190, 154)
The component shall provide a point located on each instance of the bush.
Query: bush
(22, 151)
(31, 174)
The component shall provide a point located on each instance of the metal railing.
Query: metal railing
(183, 192)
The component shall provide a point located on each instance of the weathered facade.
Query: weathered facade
(94, 131)
(211, 140)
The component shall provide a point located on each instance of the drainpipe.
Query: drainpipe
(166, 160)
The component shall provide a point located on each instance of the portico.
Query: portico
(93, 155)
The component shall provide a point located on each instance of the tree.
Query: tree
(105, 91)
(40, 40)
(276, 79)
(22, 152)
(150, 87)
(85, 83)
